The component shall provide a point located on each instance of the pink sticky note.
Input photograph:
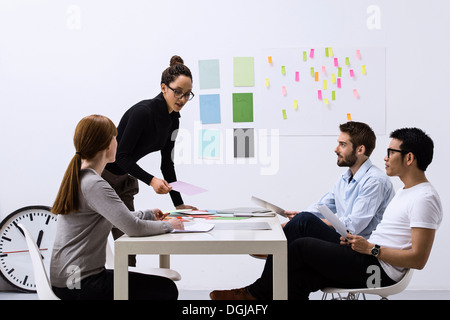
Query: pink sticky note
(311, 53)
(338, 82)
(319, 94)
(323, 70)
(336, 62)
(297, 76)
(283, 90)
(352, 74)
(355, 93)
(358, 54)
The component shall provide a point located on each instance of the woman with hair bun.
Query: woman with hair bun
(146, 127)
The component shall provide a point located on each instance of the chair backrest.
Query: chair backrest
(43, 287)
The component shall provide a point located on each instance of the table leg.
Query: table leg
(164, 261)
(120, 274)
(280, 274)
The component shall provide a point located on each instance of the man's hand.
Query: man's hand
(160, 186)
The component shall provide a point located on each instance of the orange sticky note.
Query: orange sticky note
(270, 59)
(317, 76)
(349, 117)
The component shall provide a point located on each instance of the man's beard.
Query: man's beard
(347, 162)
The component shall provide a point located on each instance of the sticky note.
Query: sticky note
(304, 55)
(347, 61)
(312, 71)
(333, 78)
(355, 93)
(326, 53)
(324, 84)
(349, 117)
(339, 72)
(319, 94)
(283, 90)
(358, 54)
(333, 95)
(326, 101)
(243, 72)
(324, 71)
(316, 75)
(338, 82)
(267, 82)
(242, 107)
(297, 76)
(311, 53)
(270, 59)
(336, 64)
(210, 108)
(352, 74)
(209, 74)
(330, 51)
(284, 114)
(363, 67)
(283, 70)
(295, 104)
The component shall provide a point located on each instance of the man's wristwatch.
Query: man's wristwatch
(375, 250)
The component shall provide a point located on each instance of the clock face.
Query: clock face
(15, 261)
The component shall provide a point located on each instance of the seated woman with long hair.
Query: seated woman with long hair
(87, 209)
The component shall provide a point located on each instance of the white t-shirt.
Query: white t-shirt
(415, 207)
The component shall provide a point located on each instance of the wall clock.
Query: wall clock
(15, 262)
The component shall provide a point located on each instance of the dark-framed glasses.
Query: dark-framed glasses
(390, 151)
(180, 95)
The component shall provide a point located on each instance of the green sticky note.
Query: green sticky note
(312, 72)
(283, 70)
(243, 71)
(326, 52)
(304, 55)
(333, 95)
(284, 114)
(347, 61)
(339, 72)
(242, 107)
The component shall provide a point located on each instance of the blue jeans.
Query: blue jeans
(316, 259)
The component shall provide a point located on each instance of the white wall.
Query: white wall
(62, 60)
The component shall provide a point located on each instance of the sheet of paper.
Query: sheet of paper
(268, 205)
(209, 108)
(334, 220)
(186, 188)
(242, 107)
(209, 74)
(243, 72)
(195, 227)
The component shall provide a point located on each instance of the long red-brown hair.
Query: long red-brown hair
(92, 135)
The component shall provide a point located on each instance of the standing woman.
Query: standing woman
(87, 208)
(146, 127)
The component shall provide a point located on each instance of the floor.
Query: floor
(204, 295)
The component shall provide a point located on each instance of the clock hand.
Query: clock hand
(39, 239)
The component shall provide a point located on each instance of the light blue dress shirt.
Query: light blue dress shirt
(359, 201)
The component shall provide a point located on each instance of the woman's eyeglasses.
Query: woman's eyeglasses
(180, 95)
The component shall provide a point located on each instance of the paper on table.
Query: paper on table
(268, 205)
(196, 227)
(186, 188)
(334, 220)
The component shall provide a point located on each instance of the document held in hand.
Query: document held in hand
(334, 220)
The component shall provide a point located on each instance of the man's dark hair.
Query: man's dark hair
(418, 142)
(360, 135)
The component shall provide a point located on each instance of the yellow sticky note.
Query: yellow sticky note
(326, 101)
(349, 117)
(363, 69)
(324, 84)
(295, 104)
(333, 78)
(330, 51)
(284, 114)
(267, 82)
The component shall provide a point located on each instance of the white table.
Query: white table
(220, 240)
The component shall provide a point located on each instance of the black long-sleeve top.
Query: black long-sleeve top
(145, 128)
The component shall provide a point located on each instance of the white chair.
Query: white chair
(383, 292)
(163, 272)
(43, 286)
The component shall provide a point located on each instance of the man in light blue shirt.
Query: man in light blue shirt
(358, 198)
